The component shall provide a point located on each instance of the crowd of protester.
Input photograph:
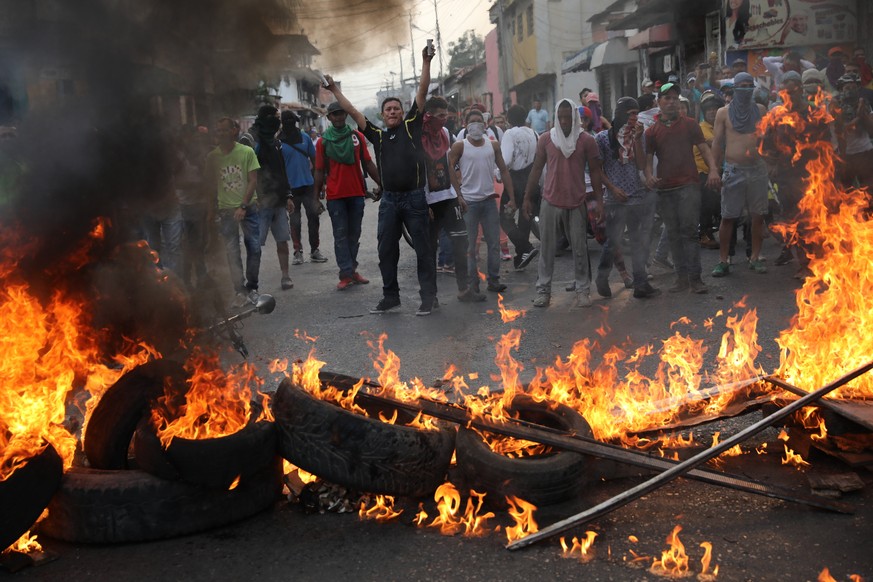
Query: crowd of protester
(683, 166)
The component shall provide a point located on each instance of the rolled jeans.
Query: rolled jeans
(680, 210)
(229, 229)
(346, 215)
(574, 222)
(484, 213)
(638, 220)
(410, 209)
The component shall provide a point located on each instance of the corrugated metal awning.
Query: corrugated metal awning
(581, 61)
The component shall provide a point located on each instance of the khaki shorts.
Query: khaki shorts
(744, 187)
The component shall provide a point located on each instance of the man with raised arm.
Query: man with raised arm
(402, 170)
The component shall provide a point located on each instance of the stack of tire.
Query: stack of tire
(366, 454)
(191, 486)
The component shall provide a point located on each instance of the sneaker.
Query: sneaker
(449, 269)
(345, 283)
(698, 286)
(471, 296)
(646, 291)
(298, 258)
(240, 300)
(253, 296)
(758, 266)
(571, 286)
(785, 257)
(505, 255)
(602, 285)
(542, 300)
(425, 308)
(386, 304)
(681, 285)
(721, 270)
(526, 258)
(287, 283)
(628, 281)
(663, 263)
(496, 287)
(316, 257)
(582, 301)
(358, 278)
(436, 303)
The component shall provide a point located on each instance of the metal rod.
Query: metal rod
(830, 405)
(579, 444)
(682, 468)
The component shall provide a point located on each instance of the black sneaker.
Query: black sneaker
(646, 291)
(425, 308)
(496, 287)
(784, 258)
(602, 284)
(386, 304)
(526, 258)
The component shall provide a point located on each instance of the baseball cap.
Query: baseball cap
(848, 78)
(811, 76)
(792, 76)
(836, 51)
(334, 107)
(592, 97)
(648, 83)
(667, 87)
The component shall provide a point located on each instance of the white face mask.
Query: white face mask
(476, 129)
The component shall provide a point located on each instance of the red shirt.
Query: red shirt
(674, 146)
(564, 185)
(343, 180)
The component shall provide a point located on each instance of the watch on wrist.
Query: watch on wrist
(244, 206)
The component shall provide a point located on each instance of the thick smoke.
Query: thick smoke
(104, 151)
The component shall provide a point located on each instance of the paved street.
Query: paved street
(753, 538)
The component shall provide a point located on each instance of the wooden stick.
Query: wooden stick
(660, 480)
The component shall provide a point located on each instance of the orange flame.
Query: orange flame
(792, 458)
(674, 561)
(217, 403)
(579, 547)
(451, 520)
(522, 513)
(382, 509)
(704, 563)
(25, 544)
(508, 315)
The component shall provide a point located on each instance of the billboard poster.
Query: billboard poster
(752, 24)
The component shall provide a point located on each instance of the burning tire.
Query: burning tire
(114, 420)
(542, 479)
(26, 492)
(359, 452)
(215, 463)
(95, 506)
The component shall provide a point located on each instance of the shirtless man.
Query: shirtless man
(744, 183)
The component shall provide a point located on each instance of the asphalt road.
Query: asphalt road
(753, 538)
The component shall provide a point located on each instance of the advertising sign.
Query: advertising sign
(753, 24)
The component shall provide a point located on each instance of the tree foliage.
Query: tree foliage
(467, 50)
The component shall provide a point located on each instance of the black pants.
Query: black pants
(305, 197)
(518, 232)
(447, 215)
(710, 208)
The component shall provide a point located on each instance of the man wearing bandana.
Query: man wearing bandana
(564, 151)
(446, 206)
(339, 155)
(672, 138)
(745, 173)
(626, 200)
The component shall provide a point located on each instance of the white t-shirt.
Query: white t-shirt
(519, 146)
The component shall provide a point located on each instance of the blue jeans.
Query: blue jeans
(346, 215)
(194, 243)
(483, 212)
(638, 219)
(230, 229)
(164, 235)
(446, 255)
(680, 210)
(410, 209)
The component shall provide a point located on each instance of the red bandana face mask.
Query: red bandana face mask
(433, 139)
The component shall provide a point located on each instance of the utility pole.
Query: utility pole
(400, 54)
(412, 47)
(439, 42)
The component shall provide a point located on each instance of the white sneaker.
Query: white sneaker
(253, 297)
(582, 301)
(298, 258)
(240, 300)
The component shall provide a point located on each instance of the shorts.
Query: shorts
(744, 187)
(276, 221)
